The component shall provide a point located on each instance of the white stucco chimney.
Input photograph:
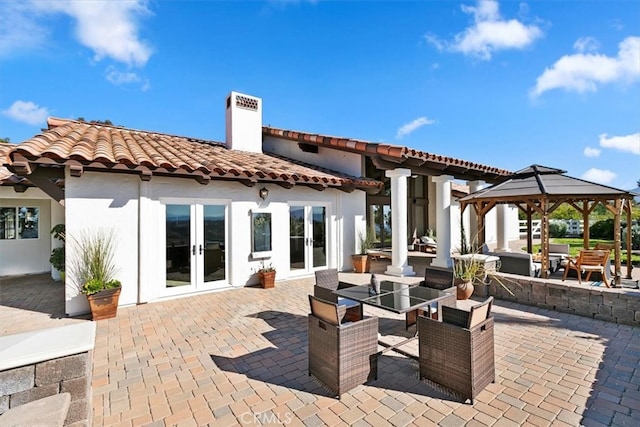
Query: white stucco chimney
(244, 123)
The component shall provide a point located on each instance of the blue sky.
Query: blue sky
(507, 83)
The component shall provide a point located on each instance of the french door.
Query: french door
(307, 239)
(195, 247)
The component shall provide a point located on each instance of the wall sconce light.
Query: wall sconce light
(263, 193)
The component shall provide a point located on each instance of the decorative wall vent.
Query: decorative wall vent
(246, 102)
(308, 148)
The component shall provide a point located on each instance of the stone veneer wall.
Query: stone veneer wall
(608, 304)
(70, 374)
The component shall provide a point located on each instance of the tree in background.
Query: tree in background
(4, 140)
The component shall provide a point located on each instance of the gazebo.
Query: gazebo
(540, 189)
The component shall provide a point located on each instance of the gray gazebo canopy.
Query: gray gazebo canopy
(540, 189)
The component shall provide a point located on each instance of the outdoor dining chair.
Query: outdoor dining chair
(436, 278)
(327, 282)
(342, 355)
(457, 353)
(589, 261)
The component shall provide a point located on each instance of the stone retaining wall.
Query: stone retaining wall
(609, 304)
(68, 374)
(46, 362)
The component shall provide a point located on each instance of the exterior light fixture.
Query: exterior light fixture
(263, 193)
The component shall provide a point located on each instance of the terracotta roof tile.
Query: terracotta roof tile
(108, 146)
(6, 176)
(4, 158)
(416, 157)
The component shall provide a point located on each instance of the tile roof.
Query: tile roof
(6, 176)
(99, 146)
(397, 156)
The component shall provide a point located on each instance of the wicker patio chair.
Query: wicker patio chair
(458, 352)
(436, 278)
(327, 282)
(341, 355)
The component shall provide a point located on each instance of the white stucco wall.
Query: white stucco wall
(348, 163)
(97, 201)
(136, 211)
(27, 256)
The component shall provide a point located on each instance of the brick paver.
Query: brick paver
(238, 357)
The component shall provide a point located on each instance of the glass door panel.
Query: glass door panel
(178, 246)
(380, 219)
(296, 238)
(214, 231)
(308, 238)
(319, 242)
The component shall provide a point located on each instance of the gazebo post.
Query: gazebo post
(628, 209)
(617, 238)
(544, 238)
(529, 229)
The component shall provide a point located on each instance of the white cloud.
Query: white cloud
(586, 44)
(489, 33)
(410, 127)
(27, 112)
(582, 72)
(109, 28)
(629, 143)
(599, 175)
(119, 77)
(591, 152)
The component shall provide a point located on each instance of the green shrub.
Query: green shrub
(557, 229)
(602, 230)
(635, 237)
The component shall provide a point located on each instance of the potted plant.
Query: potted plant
(466, 271)
(361, 258)
(94, 269)
(57, 254)
(267, 274)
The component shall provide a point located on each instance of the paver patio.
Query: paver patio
(239, 357)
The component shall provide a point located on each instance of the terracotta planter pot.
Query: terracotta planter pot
(267, 279)
(464, 290)
(104, 304)
(360, 263)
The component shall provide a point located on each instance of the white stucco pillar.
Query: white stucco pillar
(443, 221)
(399, 252)
(473, 218)
(503, 228)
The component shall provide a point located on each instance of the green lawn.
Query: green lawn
(575, 244)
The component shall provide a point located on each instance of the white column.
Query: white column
(473, 218)
(443, 221)
(399, 252)
(503, 229)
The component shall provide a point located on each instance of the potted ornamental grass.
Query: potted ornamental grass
(94, 270)
(360, 259)
(466, 271)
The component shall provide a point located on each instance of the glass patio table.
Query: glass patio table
(399, 298)
(396, 297)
